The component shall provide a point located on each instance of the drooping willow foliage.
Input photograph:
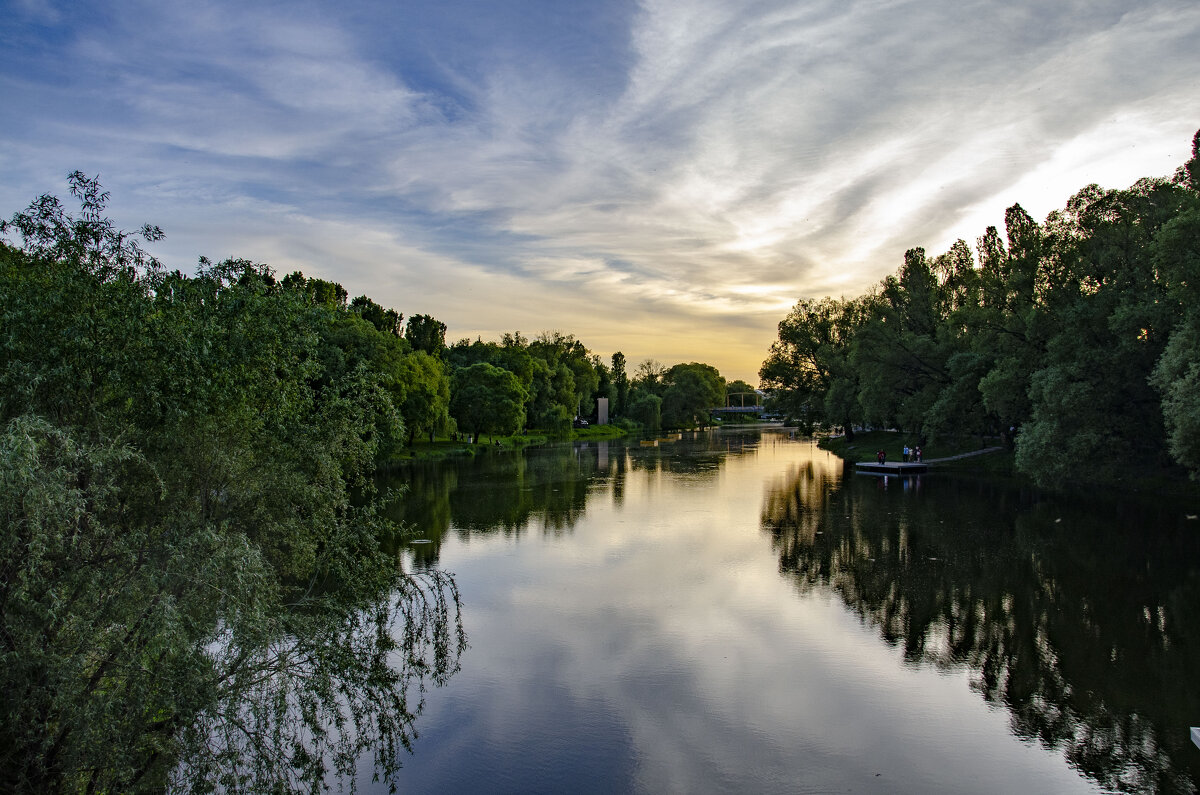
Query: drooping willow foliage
(192, 589)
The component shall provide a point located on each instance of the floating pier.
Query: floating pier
(892, 467)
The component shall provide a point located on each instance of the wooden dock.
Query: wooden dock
(915, 467)
(892, 468)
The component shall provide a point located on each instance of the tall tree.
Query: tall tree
(809, 371)
(388, 321)
(693, 390)
(424, 400)
(620, 381)
(648, 376)
(487, 399)
(425, 333)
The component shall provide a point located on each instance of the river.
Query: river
(734, 611)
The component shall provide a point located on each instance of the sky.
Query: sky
(666, 178)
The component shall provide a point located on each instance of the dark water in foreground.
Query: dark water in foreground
(730, 612)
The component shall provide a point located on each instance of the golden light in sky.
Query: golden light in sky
(660, 178)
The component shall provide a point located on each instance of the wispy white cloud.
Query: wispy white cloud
(676, 167)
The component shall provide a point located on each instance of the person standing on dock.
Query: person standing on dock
(906, 454)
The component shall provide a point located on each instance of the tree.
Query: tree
(318, 291)
(740, 393)
(487, 399)
(1092, 394)
(645, 408)
(425, 394)
(809, 368)
(551, 401)
(1176, 374)
(1177, 377)
(564, 351)
(693, 390)
(898, 353)
(620, 384)
(177, 534)
(386, 320)
(89, 239)
(425, 333)
(1076, 333)
(649, 375)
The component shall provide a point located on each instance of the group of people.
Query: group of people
(910, 454)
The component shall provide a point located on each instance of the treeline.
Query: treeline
(1076, 340)
(552, 382)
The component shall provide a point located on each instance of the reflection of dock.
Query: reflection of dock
(892, 467)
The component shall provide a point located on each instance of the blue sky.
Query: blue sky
(664, 178)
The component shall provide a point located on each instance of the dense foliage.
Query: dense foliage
(192, 585)
(1075, 339)
(557, 382)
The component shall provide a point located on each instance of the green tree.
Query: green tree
(177, 535)
(645, 408)
(649, 377)
(425, 394)
(620, 381)
(318, 291)
(900, 359)
(1176, 375)
(743, 390)
(1075, 333)
(693, 390)
(425, 333)
(576, 385)
(1091, 397)
(487, 399)
(389, 321)
(809, 371)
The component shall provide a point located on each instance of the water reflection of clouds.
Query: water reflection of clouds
(665, 622)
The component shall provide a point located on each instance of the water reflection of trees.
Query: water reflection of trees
(694, 453)
(1078, 621)
(296, 710)
(505, 494)
(547, 488)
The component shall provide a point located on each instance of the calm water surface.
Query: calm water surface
(731, 612)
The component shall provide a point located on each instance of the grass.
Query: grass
(446, 447)
(598, 432)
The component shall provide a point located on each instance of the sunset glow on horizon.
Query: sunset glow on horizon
(662, 178)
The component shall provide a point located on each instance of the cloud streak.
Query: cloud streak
(665, 178)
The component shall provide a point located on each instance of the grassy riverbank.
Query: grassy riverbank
(446, 447)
